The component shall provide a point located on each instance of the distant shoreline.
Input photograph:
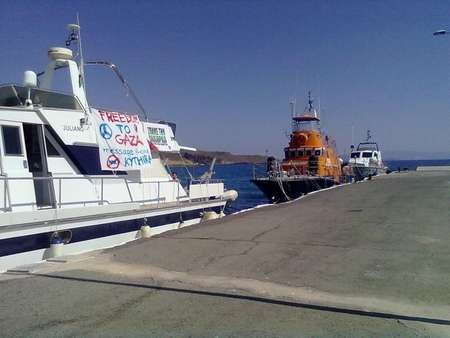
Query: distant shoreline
(201, 157)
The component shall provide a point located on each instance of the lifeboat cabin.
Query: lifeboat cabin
(309, 152)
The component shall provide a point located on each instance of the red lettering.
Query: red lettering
(102, 113)
(118, 117)
(128, 140)
(109, 117)
(138, 141)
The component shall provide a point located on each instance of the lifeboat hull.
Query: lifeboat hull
(283, 189)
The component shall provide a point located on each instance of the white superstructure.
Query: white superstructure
(366, 160)
(57, 193)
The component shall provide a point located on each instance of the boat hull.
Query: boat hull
(284, 189)
(23, 244)
(361, 172)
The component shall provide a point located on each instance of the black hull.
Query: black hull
(285, 189)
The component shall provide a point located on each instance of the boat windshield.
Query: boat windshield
(15, 96)
(367, 154)
(368, 146)
(305, 125)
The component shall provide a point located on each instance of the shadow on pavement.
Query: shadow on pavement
(255, 299)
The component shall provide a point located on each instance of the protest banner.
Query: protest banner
(121, 141)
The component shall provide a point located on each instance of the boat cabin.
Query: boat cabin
(364, 154)
(366, 150)
(50, 145)
(309, 151)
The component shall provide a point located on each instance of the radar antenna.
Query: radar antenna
(310, 103)
(310, 108)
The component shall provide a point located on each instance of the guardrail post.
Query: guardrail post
(59, 191)
(4, 193)
(101, 191)
(8, 195)
(128, 188)
(158, 193)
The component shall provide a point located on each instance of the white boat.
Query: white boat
(366, 160)
(74, 178)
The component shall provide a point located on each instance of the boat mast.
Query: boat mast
(310, 105)
(75, 35)
(80, 49)
(292, 104)
(368, 137)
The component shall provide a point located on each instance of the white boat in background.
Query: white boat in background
(74, 178)
(366, 160)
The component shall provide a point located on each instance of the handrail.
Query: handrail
(209, 181)
(108, 177)
(98, 182)
(59, 203)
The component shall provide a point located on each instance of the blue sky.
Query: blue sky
(224, 70)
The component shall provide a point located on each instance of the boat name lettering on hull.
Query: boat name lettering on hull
(73, 128)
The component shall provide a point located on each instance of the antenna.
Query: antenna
(74, 35)
(353, 134)
(320, 112)
(292, 103)
(81, 54)
(318, 97)
(310, 107)
(296, 84)
(368, 135)
(124, 82)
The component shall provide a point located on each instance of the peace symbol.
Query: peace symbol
(105, 131)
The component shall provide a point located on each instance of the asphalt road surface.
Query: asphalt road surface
(364, 260)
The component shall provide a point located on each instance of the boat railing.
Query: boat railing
(54, 194)
(211, 180)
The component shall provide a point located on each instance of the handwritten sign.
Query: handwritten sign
(157, 135)
(122, 142)
(162, 136)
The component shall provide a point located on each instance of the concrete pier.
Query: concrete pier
(370, 259)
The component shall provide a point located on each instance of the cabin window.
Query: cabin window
(301, 153)
(318, 152)
(286, 153)
(375, 155)
(308, 153)
(51, 150)
(367, 154)
(292, 153)
(13, 96)
(355, 155)
(11, 140)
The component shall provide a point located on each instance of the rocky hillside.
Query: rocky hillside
(205, 157)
